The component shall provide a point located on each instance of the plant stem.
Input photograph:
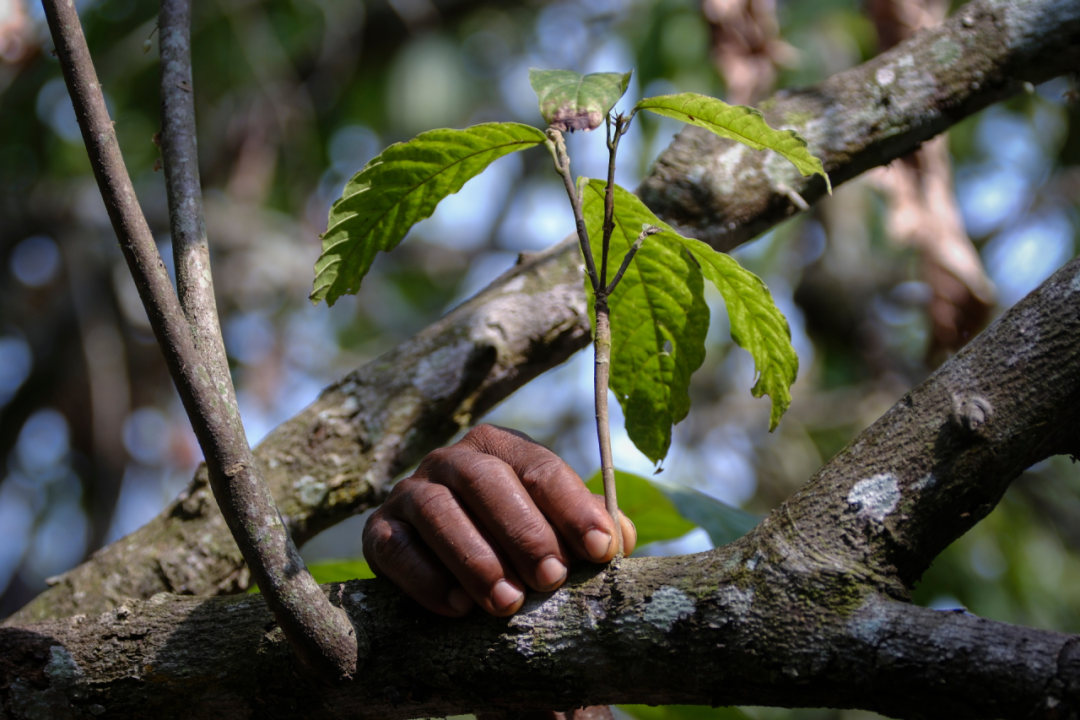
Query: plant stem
(602, 340)
(601, 373)
(609, 193)
(557, 146)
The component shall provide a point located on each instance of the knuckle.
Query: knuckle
(436, 461)
(481, 436)
(386, 541)
(545, 472)
(533, 537)
(480, 472)
(430, 504)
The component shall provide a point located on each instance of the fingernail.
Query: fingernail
(597, 544)
(505, 595)
(459, 600)
(550, 573)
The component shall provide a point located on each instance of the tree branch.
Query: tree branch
(321, 634)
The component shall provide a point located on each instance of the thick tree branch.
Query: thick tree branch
(320, 633)
(536, 315)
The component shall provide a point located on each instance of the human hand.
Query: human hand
(483, 518)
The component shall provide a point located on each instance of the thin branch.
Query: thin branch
(325, 640)
(180, 156)
(650, 230)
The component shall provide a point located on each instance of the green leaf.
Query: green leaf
(739, 123)
(724, 523)
(757, 325)
(335, 571)
(399, 188)
(340, 571)
(683, 712)
(654, 515)
(659, 320)
(570, 101)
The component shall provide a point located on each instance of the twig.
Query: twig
(614, 134)
(602, 343)
(649, 230)
(796, 199)
(324, 640)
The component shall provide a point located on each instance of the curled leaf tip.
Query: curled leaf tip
(571, 101)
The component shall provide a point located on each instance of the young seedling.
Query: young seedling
(656, 292)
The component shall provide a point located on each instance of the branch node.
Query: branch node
(971, 413)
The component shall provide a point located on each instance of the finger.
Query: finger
(443, 523)
(495, 496)
(556, 490)
(395, 551)
(629, 533)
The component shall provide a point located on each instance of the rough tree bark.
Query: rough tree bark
(809, 609)
(337, 457)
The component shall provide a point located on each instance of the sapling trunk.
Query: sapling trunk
(601, 371)
(616, 128)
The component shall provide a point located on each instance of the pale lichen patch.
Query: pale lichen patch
(667, 606)
(62, 667)
(946, 51)
(726, 164)
(310, 490)
(541, 622)
(885, 76)
(927, 481)
(731, 602)
(876, 496)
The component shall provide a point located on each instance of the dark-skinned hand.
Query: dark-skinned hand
(484, 519)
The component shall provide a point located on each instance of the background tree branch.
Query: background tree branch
(534, 317)
(806, 610)
(715, 190)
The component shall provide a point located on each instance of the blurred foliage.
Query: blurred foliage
(294, 96)
(335, 572)
(653, 514)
